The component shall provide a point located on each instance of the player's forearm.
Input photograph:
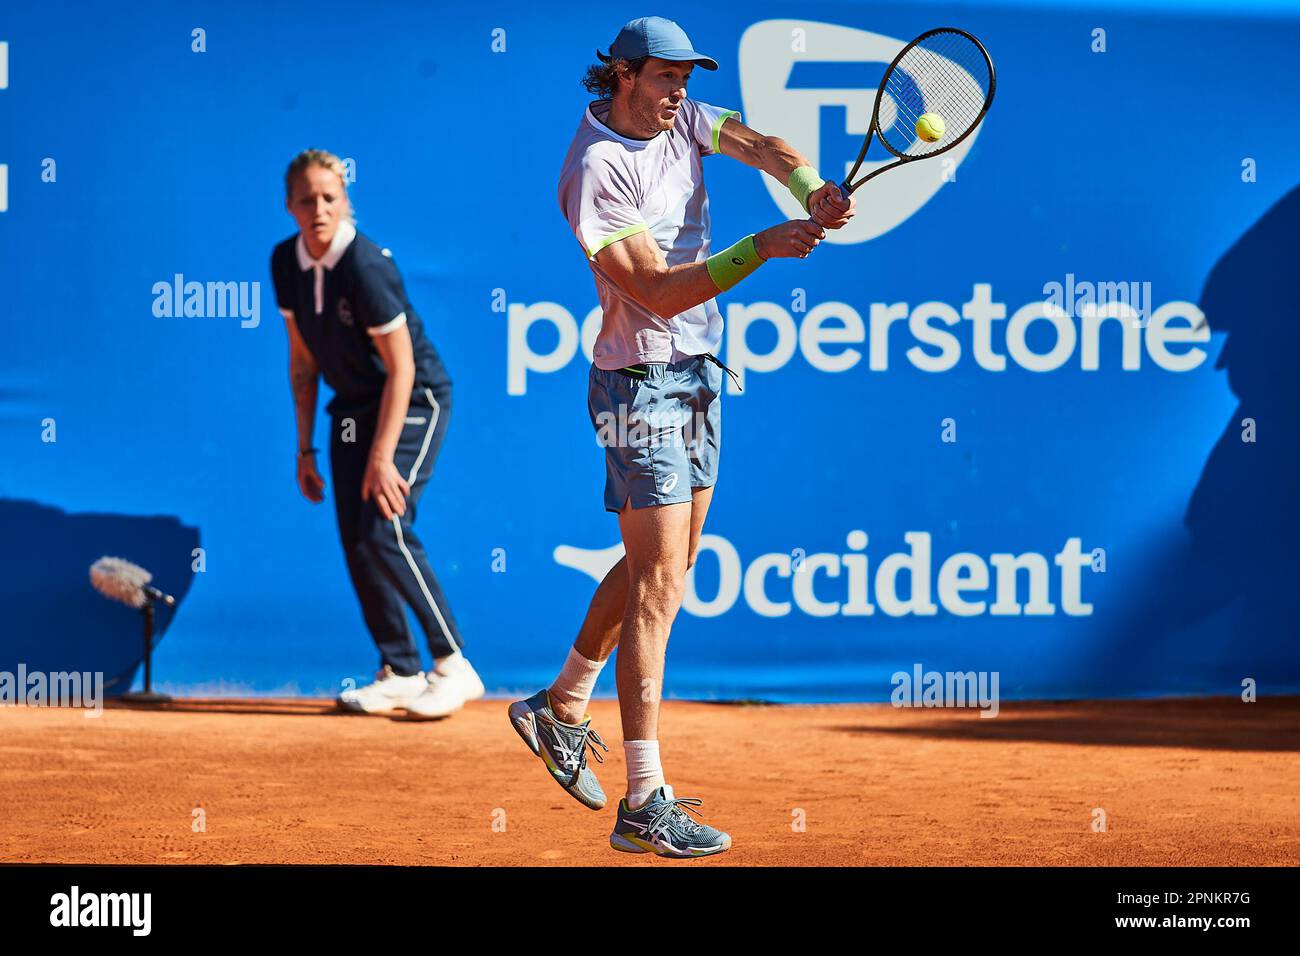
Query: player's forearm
(393, 404)
(638, 267)
(772, 155)
(782, 159)
(677, 289)
(304, 381)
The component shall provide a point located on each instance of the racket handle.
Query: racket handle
(845, 191)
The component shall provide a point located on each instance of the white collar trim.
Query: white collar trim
(343, 237)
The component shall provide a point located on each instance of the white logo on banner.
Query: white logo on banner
(898, 584)
(780, 98)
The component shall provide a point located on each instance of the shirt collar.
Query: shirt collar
(343, 237)
(603, 107)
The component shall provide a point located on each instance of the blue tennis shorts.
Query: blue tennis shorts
(661, 427)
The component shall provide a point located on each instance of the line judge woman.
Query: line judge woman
(349, 319)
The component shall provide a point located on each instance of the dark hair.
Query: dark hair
(602, 78)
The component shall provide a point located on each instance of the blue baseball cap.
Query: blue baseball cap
(655, 36)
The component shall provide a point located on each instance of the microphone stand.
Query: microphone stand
(147, 696)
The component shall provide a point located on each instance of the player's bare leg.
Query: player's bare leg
(596, 640)
(658, 544)
(701, 498)
(603, 625)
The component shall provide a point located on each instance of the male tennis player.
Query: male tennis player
(632, 189)
(348, 318)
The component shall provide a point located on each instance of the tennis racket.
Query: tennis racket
(944, 71)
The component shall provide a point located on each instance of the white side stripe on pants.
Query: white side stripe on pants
(397, 525)
(428, 436)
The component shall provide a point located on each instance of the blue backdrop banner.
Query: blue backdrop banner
(1034, 412)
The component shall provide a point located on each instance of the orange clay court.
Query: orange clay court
(1185, 782)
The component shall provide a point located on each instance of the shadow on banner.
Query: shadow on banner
(53, 619)
(1222, 596)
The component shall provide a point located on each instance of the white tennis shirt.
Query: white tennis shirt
(612, 187)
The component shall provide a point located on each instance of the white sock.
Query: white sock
(573, 687)
(644, 773)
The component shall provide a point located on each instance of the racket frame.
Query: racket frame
(848, 186)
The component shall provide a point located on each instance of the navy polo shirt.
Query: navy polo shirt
(339, 303)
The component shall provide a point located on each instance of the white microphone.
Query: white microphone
(123, 581)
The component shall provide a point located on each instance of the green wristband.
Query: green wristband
(804, 181)
(729, 266)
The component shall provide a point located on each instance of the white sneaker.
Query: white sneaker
(450, 685)
(389, 692)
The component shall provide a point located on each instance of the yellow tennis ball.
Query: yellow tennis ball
(930, 127)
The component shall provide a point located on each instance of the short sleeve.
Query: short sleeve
(706, 123)
(280, 280)
(380, 298)
(600, 205)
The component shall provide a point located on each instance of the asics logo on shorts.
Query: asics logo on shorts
(670, 483)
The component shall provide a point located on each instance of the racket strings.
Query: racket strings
(947, 74)
(944, 86)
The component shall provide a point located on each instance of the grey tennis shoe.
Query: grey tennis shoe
(664, 827)
(562, 747)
